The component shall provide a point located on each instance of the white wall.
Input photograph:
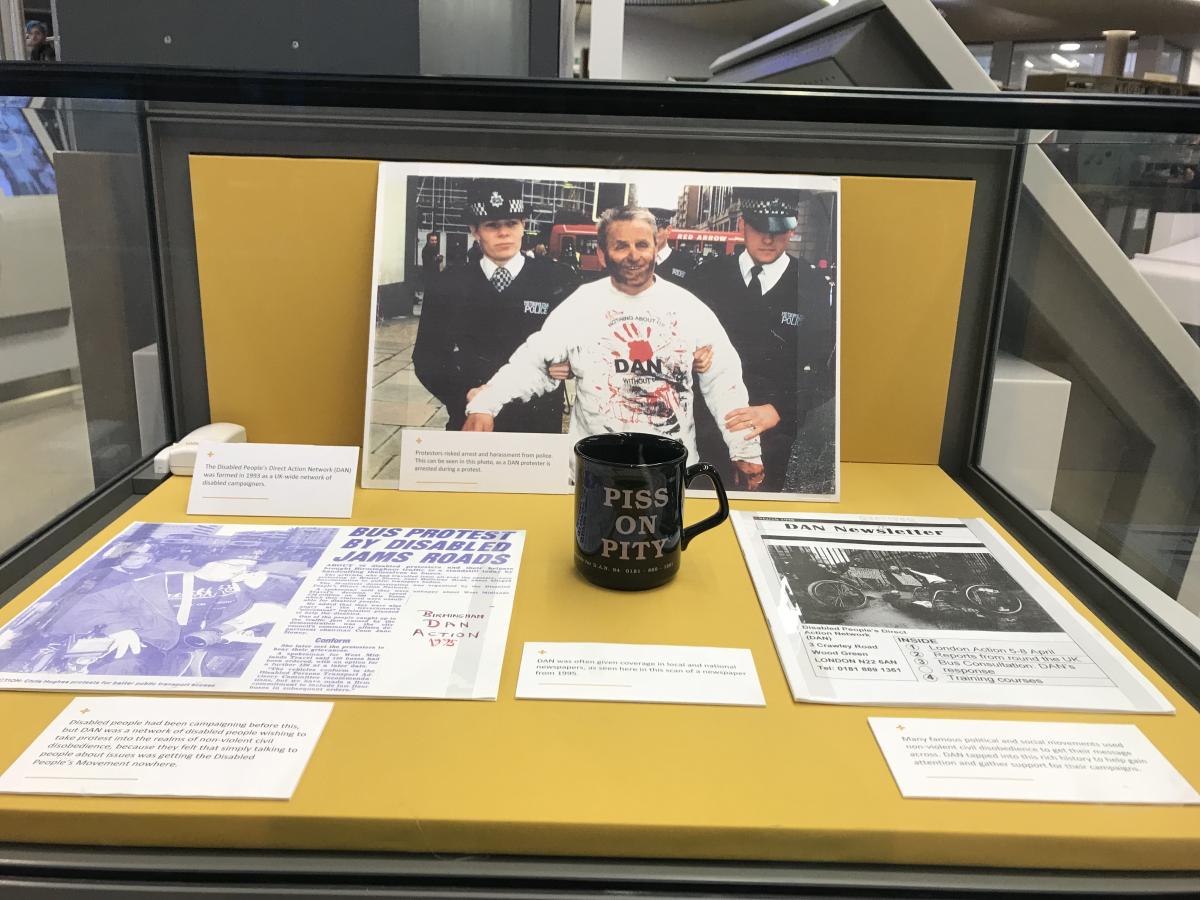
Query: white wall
(474, 37)
(28, 355)
(656, 51)
(33, 278)
(1194, 72)
(390, 219)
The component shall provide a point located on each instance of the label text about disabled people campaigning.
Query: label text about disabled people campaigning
(164, 743)
(157, 746)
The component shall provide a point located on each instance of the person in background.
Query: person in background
(475, 316)
(430, 256)
(673, 265)
(37, 43)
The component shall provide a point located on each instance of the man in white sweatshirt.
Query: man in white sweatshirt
(638, 347)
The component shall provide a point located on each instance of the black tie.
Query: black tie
(755, 286)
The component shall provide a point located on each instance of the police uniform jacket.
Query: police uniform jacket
(785, 340)
(676, 268)
(468, 331)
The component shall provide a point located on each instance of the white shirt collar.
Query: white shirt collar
(770, 275)
(514, 266)
(661, 256)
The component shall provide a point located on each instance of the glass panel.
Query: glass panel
(1082, 57)
(80, 392)
(1170, 61)
(983, 55)
(1094, 416)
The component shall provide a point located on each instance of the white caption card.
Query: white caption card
(639, 673)
(273, 480)
(1051, 761)
(170, 747)
(476, 461)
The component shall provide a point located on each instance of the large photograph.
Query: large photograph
(555, 301)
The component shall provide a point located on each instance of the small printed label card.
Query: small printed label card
(299, 480)
(171, 747)
(1006, 760)
(639, 673)
(487, 462)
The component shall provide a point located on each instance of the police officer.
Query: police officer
(475, 316)
(673, 265)
(777, 314)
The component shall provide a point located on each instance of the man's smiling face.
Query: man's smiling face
(628, 255)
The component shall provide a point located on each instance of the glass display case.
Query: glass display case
(216, 235)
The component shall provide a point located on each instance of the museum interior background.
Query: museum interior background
(79, 385)
(1093, 423)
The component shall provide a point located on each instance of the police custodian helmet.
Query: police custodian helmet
(768, 209)
(662, 216)
(493, 198)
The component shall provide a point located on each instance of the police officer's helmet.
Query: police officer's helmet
(768, 209)
(493, 198)
(662, 216)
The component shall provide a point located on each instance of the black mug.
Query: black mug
(629, 532)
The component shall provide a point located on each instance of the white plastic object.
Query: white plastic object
(180, 459)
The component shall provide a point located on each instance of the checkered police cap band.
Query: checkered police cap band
(494, 200)
(483, 210)
(773, 206)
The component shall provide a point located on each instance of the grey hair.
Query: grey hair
(623, 214)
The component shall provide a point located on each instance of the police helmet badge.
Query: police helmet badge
(493, 198)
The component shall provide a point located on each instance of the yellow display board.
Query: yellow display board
(284, 249)
(284, 252)
(788, 781)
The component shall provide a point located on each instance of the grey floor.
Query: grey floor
(397, 398)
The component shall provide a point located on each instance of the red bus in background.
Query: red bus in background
(581, 239)
(575, 239)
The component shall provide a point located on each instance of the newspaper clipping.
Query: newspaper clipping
(930, 612)
(266, 609)
(551, 301)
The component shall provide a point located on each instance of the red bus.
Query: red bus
(581, 239)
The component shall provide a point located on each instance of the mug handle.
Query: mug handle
(716, 518)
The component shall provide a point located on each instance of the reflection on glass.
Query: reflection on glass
(1094, 423)
(983, 55)
(80, 400)
(1071, 57)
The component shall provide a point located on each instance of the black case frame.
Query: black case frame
(981, 137)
